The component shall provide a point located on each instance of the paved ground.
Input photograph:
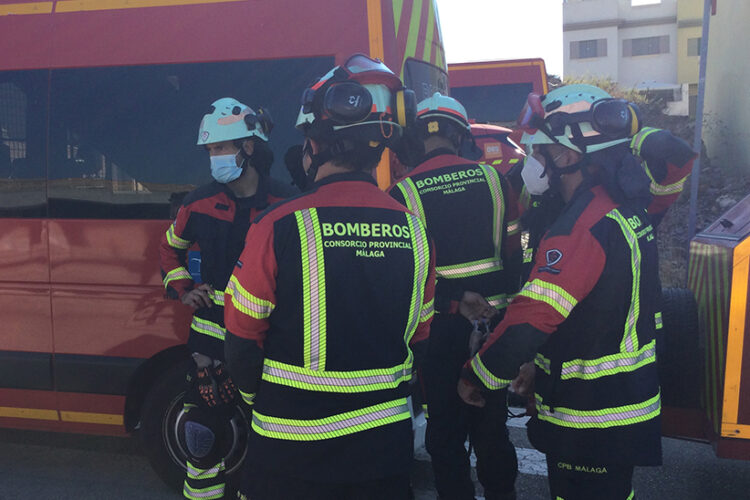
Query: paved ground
(45, 466)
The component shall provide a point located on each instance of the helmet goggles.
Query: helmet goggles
(610, 117)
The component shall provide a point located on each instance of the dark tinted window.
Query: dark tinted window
(493, 103)
(424, 78)
(123, 140)
(23, 121)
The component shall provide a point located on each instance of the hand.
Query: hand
(470, 393)
(523, 384)
(225, 387)
(199, 297)
(474, 307)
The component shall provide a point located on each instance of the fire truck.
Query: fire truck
(100, 102)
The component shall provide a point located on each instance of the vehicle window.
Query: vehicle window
(424, 78)
(23, 121)
(493, 103)
(123, 139)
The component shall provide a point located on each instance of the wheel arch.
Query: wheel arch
(144, 377)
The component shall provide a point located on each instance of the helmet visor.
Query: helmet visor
(532, 114)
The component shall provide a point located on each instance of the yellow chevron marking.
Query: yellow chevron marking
(91, 418)
(30, 413)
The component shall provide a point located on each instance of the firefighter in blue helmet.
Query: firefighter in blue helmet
(472, 216)
(326, 315)
(216, 217)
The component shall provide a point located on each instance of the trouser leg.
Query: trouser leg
(577, 481)
(447, 425)
(264, 485)
(203, 436)
(497, 464)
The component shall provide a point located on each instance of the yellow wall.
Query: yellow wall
(688, 12)
(726, 130)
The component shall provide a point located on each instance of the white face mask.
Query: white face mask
(224, 168)
(537, 182)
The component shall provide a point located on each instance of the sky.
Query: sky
(488, 30)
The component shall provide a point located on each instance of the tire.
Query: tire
(679, 350)
(161, 414)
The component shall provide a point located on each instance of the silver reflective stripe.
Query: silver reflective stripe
(411, 195)
(605, 418)
(314, 289)
(213, 492)
(543, 363)
(336, 381)
(470, 268)
(496, 190)
(209, 328)
(195, 473)
(609, 365)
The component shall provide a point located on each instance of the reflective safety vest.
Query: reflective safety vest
(595, 289)
(472, 216)
(217, 221)
(340, 287)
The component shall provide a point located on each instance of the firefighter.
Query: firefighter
(329, 309)
(588, 314)
(216, 217)
(472, 216)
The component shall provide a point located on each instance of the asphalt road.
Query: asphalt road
(40, 466)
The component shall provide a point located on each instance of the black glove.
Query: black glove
(215, 386)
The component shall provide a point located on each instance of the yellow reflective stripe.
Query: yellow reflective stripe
(486, 376)
(331, 427)
(428, 311)
(551, 294)
(313, 290)
(666, 189)
(346, 382)
(209, 328)
(499, 301)
(637, 141)
(248, 397)
(498, 212)
(589, 369)
(630, 340)
(194, 472)
(514, 227)
(213, 492)
(497, 162)
(421, 253)
(178, 273)
(543, 363)
(246, 302)
(218, 297)
(425, 410)
(599, 419)
(528, 255)
(412, 198)
(466, 269)
(514, 160)
(175, 241)
(658, 321)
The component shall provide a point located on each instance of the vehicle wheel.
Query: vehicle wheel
(162, 414)
(678, 349)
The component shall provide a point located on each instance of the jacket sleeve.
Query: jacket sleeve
(173, 255)
(511, 246)
(555, 287)
(250, 299)
(667, 160)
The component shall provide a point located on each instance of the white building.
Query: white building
(628, 41)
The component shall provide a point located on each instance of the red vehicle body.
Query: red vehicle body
(99, 106)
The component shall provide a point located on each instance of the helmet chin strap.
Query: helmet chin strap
(317, 160)
(556, 172)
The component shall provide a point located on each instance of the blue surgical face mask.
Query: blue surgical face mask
(224, 168)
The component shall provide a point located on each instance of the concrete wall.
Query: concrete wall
(727, 108)
(658, 68)
(617, 20)
(689, 20)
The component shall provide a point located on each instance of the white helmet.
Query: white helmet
(228, 119)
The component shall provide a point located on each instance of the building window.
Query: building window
(585, 49)
(694, 46)
(645, 46)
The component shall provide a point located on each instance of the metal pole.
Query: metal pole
(697, 143)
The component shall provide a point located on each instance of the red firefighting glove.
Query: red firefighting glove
(206, 386)
(215, 386)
